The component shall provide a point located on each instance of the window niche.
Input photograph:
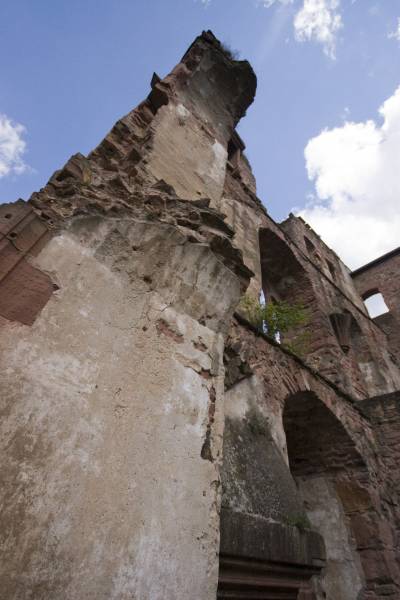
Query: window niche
(312, 250)
(332, 269)
(341, 324)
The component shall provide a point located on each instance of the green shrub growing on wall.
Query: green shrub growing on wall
(253, 311)
(277, 319)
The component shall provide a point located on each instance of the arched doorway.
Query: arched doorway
(264, 554)
(333, 480)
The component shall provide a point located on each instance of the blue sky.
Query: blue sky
(315, 137)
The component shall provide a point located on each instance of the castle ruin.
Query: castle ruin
(156, 444)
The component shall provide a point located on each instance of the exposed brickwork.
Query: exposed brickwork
(24, 289)
(283, 375)
(365, 367)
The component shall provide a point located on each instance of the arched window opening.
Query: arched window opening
(375, 304)
(286, 283)
(282, 274)
(311, 249)
(326, 466)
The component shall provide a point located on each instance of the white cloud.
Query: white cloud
(321, 21)
(12, 147)
(395, 34)
(316, 20)
(355, 168)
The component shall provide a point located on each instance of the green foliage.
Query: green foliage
(277, 319)
(281, 317)
(252, 310)
(300, 521)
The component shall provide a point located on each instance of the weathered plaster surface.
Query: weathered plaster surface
(255, 475)
(108, 402)
(185, 156)
(342, 577)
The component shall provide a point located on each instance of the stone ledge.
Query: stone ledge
(241, 320)
(249, 536)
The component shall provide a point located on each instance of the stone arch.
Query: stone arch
(285, 279)
(369, 292)
(329, 449)
(340, 497)
(281, 271)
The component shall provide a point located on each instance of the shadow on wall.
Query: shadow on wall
(335, 484)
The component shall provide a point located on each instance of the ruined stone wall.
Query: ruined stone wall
(112, 417)
(249, 352)
(286, 424)
(192, 130)
(382, 275)
(343, 342)
(112, 376)
(384, 415)
(126, 379)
